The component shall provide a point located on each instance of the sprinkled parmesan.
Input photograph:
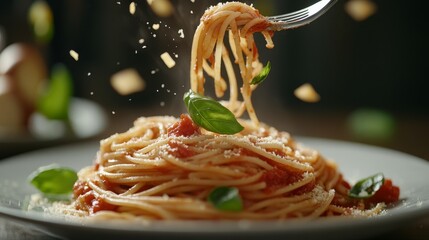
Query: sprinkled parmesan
(132, 8)
(307, 93)
(74, 55)
(321, 195)
(231, 153)
(168, 60)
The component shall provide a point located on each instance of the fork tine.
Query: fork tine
(300, 17)
(297, 17)
(287, 15)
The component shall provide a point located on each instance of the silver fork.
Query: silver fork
(301, 17)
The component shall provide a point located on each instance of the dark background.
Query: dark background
(380, 63)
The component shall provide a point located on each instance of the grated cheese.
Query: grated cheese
(74, 55)
(169, 62)
(132, 8)
(360, 10)
(181, 33)
(162, 8)
(127, 81)
(307, 93)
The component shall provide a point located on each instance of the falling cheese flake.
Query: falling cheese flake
(168, 60)
(360, 10)
(307, 93)
(182, 34)
(162, 8)
(74, 55)
(155, 26)
(127, 81)
(132, 8)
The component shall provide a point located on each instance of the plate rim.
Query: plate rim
(321, 225)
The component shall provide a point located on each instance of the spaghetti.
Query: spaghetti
(166, 168)
(209, 51)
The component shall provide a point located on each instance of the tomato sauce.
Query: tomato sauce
(277, 178)
(180, 150)
(96, 203)
(344, 200)
(92, 202)
(388, 193)
(80, 188)
(263, 26)
(184, 127)
(107, 184)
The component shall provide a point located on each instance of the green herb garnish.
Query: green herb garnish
(367, 187)
(53, 179)
(262, 75)
(210, 114)
(54, 103)
(226, 199)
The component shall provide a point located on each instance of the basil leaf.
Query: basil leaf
(367, 187)
(262, 75)
(226, 199)
(210, 114)
(53, 179)
(54, 103)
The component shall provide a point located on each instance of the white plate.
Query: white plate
(354, 160)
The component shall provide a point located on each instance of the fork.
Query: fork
(301, 17)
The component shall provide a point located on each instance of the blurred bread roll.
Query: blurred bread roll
(23, 73)
(12, 115)
(26, 72)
